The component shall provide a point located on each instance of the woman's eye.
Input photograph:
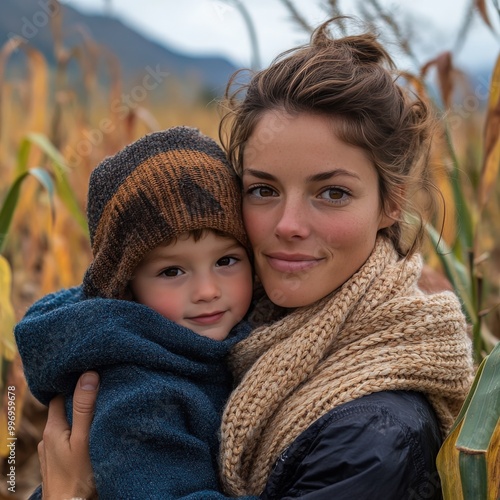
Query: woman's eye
(172, 272)
(226, 261)
(261, 191)
(334, 194)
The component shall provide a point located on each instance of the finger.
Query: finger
(56, 419)
(84, 399)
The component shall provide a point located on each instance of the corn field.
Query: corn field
(52, 136)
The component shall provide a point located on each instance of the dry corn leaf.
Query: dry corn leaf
(39, 90)
(92, 53)
(56, 29)
(493, 460)
(491, 162)
(416, 82)
(8, 346)
(449, 471)
(39, 79)
(62, 255)
(7, 49)
(7, 318)
(116, 138)
(445, 73)
(481, 7)
(142, 114)
(49, 277)
(38, 86)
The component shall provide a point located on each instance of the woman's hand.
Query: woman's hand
(64, 451)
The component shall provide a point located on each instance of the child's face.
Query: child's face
(204, 285)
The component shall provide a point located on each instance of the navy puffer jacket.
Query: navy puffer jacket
(381, 446)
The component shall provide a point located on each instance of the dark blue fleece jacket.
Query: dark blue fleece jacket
(162, 391)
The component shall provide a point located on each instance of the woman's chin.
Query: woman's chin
(293, 292)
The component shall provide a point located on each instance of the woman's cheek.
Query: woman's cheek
(255, 224)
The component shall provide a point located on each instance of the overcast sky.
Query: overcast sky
(216, 27)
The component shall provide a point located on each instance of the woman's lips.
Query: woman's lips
(292, 263)
(208, 319)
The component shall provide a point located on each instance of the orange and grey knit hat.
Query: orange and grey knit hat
(158, 187)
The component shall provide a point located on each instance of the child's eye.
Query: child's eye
(226, 261)
(261, 191)
(172, 272)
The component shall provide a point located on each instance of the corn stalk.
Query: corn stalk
(461, 261)
(469, 460)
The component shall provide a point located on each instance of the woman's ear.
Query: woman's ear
(387, 220)
(391, 213)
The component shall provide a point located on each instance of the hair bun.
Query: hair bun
(364, 48)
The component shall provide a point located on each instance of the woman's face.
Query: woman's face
(311, 206)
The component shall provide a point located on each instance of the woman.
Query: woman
(352, 375)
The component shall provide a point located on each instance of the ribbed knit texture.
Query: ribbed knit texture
(158, 187)
(378, 332)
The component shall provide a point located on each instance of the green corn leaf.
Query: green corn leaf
(480, 475)
(23, 154)
(483, 412)
(448, 457)
(464, 216)
(63, 188)
(456, 272)
(474, 476)
(49, 149)
(9, 205)
(468, 460)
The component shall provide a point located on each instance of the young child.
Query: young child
(168, 242)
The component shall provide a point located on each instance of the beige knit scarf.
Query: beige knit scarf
(376, 332)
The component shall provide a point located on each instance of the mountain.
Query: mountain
(138, 56)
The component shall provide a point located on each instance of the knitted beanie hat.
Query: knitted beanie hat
(158, 187)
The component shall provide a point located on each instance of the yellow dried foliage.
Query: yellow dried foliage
(442, 181)
(445, 72)
(45, 254)
(491, 162)
(493, 461)
(7, 319)
(38, 91)
(7, 344)
(448, 461)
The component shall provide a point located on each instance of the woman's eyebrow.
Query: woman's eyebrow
(324, 176)
(259, 174)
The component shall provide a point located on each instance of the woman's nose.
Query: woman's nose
(293, 219)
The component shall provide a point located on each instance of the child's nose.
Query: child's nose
(206, 289)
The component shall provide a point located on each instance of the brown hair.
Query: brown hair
(353, 81)
(198, 234)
